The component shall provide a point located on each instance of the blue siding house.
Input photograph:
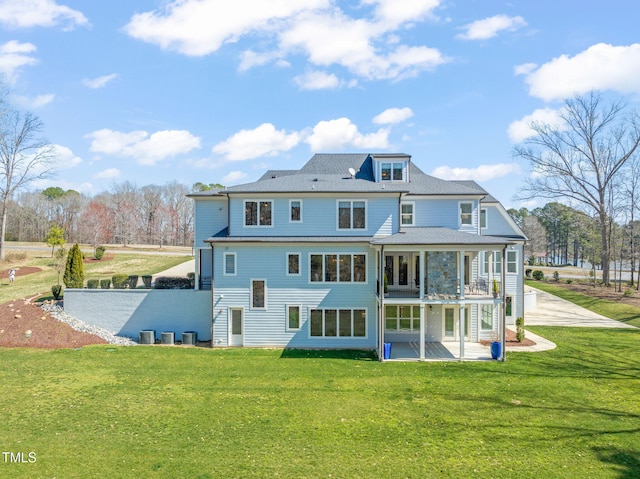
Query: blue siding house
(355, 251)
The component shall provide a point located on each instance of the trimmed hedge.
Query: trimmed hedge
(120, 281)
(166, 282)
(99, 252)
(133, 281)
(93, 283)
(56, 290)
(105, 283)
(146, 279)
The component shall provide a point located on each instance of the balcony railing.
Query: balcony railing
(477, 288)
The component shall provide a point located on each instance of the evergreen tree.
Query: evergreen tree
(74, 271)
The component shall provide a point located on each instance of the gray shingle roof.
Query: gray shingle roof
(439, 236)
(330, 173)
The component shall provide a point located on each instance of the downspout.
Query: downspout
(213, 305)
(503, 334)
(381, 313)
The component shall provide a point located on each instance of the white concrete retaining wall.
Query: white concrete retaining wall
(127, 312)
(530, 300)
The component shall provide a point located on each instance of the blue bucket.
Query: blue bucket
(387, 351)
(496, 350)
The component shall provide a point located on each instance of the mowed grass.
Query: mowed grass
(619, 311)
(136, 263)
(154, 411)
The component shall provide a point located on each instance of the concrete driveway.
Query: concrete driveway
(553, 311)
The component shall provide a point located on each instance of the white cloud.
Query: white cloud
(341, 133)
(107, 174)
(200, 27)
(264, 140)
(64, 158)
(39, 13)
(481, 173)
(490, 27)
(233, 177)
(144, 148)
(368, 47)
(600, 67)
(393, 115)
(99, 82)
(35, 102)
(521, 129)
(13, 56)
(317, 80)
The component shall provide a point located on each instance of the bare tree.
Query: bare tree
(581, 159)
(24, 157)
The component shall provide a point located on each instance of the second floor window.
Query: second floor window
(352, 215)
(258, 213)
(466, 211)
(483, 218)
(334, 268)
(392, 171)
(295, 211)
(406, 216)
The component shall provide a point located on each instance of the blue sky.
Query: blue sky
(214, 91)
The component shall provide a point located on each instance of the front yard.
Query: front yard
(158, 411)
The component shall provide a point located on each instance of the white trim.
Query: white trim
(351, 202)
(413, 213)
(337, 336)
(286, 326)
(515, 261)
(224, 264)
(338, 254)
(291, 201)
(286, 265)
(252, 307)
(257, 201)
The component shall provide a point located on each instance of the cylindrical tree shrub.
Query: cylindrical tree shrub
(120, 281)
(56, 290)
(93, 283)
(74, 270)
(133, 281)
(105, 283)
(99, 253)
(146, 279)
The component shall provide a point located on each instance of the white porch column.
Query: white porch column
(423, 275)
(462, 306)
(461, 272)
(422, 331)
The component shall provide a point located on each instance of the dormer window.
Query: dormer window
(392, 171)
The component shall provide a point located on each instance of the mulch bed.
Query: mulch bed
(20, 271)
(25, 324)
(511, 340)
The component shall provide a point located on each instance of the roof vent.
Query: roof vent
(315, 179)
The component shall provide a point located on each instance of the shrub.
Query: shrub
(628, 292)
(146, 279)
(538, 275)
(93, 283)
(56, 290)
(99, 253)
(133, 281)
(520, 329)
(120, 281)
(173, 283)
(74, 270)
(105, 283)
(527, 272)
(14, 257)
(569, 281)
(556, 276)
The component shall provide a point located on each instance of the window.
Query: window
(406, 214)
(340, 323)
(402, 318)
(295, 211)
(258, 294)
(293, 318)
(229, 264)
(466, 210)
(293, 264)
(352, 215)
(258, 213)
(338, 268)
(486, 319)
(483, 218)
(512, 261)
(392, 171)
(497, 262)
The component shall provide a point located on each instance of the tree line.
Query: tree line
(125, 214)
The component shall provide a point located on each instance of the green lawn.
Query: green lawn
(618, 311)
(121, 262)
(153, 411)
